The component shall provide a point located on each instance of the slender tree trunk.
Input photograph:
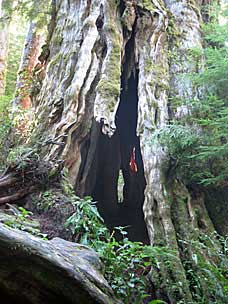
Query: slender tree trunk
(4, 44)
(109, 84)
(29, 61)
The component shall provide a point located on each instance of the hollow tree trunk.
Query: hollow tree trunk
(29, 61)
(109, 85)
(4, 43)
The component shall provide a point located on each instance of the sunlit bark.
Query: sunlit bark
(29, 60)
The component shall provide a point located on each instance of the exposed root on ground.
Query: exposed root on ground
(22, 179)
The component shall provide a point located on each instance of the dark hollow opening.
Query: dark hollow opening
(113, 157)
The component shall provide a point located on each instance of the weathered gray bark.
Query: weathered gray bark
(96, 50)
(38, 271)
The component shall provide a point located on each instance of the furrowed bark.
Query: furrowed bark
(110, 83)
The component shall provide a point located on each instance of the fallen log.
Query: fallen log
(37, 271)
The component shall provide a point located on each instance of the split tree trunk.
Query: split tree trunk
(109, 85)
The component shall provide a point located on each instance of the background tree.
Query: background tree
(39, 14)
(29, 61)
(15, 35)
(6, 7)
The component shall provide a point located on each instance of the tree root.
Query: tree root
(21, 180)
(12, 183)
(7, 181)
(16, 196)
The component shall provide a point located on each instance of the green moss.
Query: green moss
(57, 39)
(175, 102)
(55, 59)
(147, 4)
(109, 87)
(45, 201)
(148, 65)
(192, 5)
(173, 31)
(159, 73)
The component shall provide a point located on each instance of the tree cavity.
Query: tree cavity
(120, 183)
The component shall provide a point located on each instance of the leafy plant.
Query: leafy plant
(85, 223)
(22, 220)
(207, 267)
(45, 201)
(126, 263)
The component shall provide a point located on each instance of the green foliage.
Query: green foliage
(126, 263)
(146, 4)
(86, 222)
(177, 139)
(5, 127)
(7, 10)
(38, 11)
(6, 120)
(207, 268)
(210, 112)
(18, 30)
(46, 200)
(23, 221)
(181, 143)
(199, 143)
(14, 131)
(22, 156)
